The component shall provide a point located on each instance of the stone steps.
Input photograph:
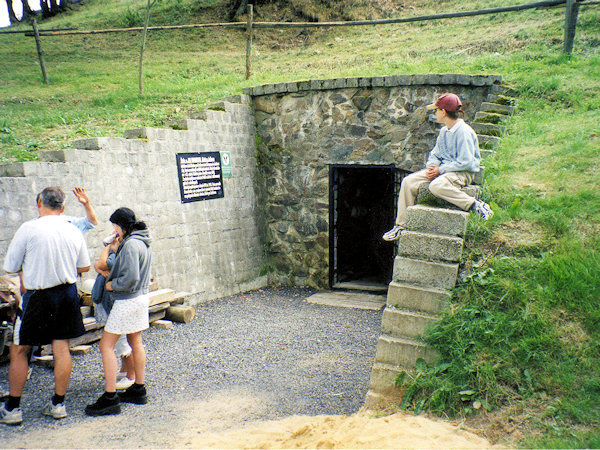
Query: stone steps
(427, 300)
(424, 271)
(402, 351)
(426, 268)
(405, 323)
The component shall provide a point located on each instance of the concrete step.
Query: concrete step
(496, 107)
(491, 117)
(52, 155)
(436, 220)
(425, 273)
(425, 197)
(432, 247)
(488, 128)
(359, 285)
(402, 352)
(358, 300)
(491, 141)
(405, 323)
(383, 377)
(414, 298)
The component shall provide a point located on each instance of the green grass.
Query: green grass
(521, 337)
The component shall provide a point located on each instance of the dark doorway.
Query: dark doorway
(362, 207)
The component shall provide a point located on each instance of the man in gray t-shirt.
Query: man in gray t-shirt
(50, 253)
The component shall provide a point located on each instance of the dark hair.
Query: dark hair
(454, 114)
(125, 218)
(52, 197)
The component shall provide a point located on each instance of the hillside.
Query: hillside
(520, 352)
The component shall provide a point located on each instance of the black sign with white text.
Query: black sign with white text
(200, 176)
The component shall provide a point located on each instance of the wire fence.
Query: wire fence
(571, 14)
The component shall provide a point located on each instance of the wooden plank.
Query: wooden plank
(87, 338)
(81, 349)
(159, 307)
(179, 298)
(157, 316)
(161, 323)
(160, 296)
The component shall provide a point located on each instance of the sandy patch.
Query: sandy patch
(360, 430)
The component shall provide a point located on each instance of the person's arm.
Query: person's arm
(129, 270)
(83, 198)
(433, 158)
(100, 265)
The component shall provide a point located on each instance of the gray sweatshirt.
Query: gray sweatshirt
(130, 275)
(456, 149)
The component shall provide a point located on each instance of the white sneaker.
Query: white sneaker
(57, 411)
(393, 234)
(121, 375)
(124, 383)
(14, 417)
(482, 209)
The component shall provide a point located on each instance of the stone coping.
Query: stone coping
(367, 82)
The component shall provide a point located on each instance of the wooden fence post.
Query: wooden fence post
(38, 44)
(249, 40)
(571, 12)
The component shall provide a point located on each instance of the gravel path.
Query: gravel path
(259, 355)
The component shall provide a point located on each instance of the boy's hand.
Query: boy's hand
(432, 172)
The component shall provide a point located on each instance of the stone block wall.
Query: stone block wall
(210, 248)
(305, 126)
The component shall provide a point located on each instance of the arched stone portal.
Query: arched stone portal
(309, 131)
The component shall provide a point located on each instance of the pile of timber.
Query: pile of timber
(164, 304)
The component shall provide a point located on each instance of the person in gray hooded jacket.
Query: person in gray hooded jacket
(128, 283)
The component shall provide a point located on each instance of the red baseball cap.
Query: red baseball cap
(448, 101)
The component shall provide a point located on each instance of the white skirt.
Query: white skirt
(128, 316)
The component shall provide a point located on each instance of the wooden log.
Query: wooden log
(86, 311)
(183, 314)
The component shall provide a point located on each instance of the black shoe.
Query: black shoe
(134, 394)
(104, 406)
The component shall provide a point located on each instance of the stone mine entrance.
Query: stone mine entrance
(362, 206)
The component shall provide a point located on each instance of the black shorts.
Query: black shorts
(49, 314)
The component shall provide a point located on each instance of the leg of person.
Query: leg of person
(63, 365)
(407, 197)
(109, 360)
(11, 413)
(137, 392)
(448, 187)
(123, 350)
(109, 402)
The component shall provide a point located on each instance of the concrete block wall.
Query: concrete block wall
(209, 248)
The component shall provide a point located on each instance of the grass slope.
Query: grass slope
(520, 343)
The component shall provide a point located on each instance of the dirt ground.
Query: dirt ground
(197, 424)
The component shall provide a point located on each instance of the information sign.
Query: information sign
(199, 176)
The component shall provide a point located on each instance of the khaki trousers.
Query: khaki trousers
(446, 186)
